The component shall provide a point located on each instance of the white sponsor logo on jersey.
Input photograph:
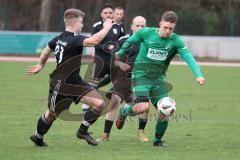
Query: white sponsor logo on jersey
(114, 30)
(157, 54)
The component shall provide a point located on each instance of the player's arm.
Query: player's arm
(31, 70)
(189, 59)
(137, 37)
(99, 36)
(120, 63)
(96, 29)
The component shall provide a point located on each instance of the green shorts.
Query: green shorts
(151, 88)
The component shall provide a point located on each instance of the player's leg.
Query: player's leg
(120, 91)
(99, 76)
(141, 105)
(43, 125)
(110, 115)
(56, 104)
(161, 127)
(142, 121)
(142, 102)
(96, 103)
(162, 123)
(141, 94)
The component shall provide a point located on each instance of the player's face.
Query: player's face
(79, 24)
(118, 15)
(107, 13)
(166, 29)
(138, 24)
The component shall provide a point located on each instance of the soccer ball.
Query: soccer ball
(166, 106)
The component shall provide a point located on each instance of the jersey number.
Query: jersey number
(59, 50)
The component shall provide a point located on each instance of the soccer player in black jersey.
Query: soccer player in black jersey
(100, 75)
(102, 59)
(121, 80)
(66, 85)
(118, 15)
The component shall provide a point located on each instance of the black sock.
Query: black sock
(142, 123)
(108, 126)
(42, 126)
(90, 117)
(83, 128)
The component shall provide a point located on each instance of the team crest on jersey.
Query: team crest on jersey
(157, 54)
(115, 31)
(168, 47)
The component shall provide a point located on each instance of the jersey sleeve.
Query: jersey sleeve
(188, 58)
(136, 37)
(80, 39)
(121, 41)
(52, 43)
(96, 28)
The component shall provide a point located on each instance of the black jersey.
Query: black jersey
(122, 28)
(113, 35)
(116, 72)
(68, 49)
(133, 52)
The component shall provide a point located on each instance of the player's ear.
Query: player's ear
(132, 27)
(160, 23)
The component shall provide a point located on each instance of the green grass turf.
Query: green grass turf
(205, 126)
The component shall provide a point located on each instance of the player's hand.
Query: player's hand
(110, 47)
(108, 23)
(31, 70)
(123, 66)
(200, 80)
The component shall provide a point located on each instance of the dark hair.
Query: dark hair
(107, 5)
(170, 16)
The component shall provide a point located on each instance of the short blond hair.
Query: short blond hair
(71, 14)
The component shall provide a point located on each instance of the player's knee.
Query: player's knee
(99, 105)
(50, 116)
(142, 103)
(145, 107)
(141, 107)
(115, 100)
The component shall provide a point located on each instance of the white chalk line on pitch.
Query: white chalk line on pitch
(36, 59)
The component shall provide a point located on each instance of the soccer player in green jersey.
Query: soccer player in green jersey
(158, 47)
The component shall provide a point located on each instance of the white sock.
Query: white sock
(85, 107)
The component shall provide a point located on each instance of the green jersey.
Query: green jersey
(156, 53)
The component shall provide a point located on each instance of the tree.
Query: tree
(45, 15)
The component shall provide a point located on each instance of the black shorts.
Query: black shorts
(62, 95)
(122, 86)
(100, 68)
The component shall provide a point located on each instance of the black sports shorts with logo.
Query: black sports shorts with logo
(61, 95)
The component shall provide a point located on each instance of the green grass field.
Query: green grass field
(205, 126)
